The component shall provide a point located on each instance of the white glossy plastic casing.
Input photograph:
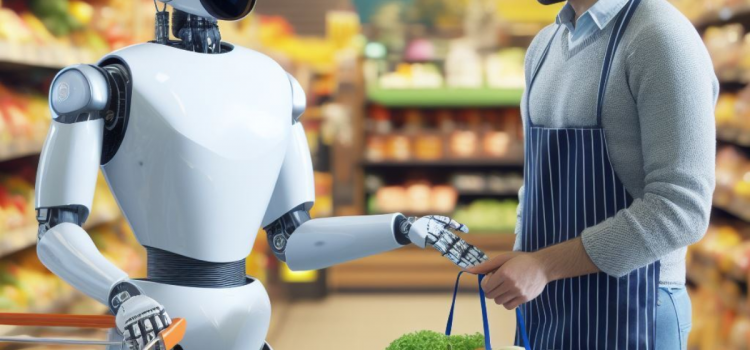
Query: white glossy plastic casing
(68, 251)
(69, 164)
(296, 183)
(194, 7)
(324, 242)
(203, 149)
(221, 318)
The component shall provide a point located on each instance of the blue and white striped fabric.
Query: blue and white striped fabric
(570, 185)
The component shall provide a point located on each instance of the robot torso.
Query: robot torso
(204, 144)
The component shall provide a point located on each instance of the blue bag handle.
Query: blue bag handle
(522, 326)
(485, 322)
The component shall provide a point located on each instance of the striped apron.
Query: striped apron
(570, 185)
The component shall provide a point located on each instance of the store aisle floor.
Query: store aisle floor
(372, 321)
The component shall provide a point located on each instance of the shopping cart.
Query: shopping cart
(167, 339)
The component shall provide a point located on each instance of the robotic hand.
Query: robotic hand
(436, 231)
(139, 318)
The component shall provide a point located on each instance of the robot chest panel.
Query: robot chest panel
(201, 153)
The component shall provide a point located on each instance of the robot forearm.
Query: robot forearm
(67, 250)
(320, 243)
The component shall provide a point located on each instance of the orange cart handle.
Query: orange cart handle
(57, 320)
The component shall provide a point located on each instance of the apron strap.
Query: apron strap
(614, 41)
(485, 322)
(534, 74)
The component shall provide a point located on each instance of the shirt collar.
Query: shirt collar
(601, 13)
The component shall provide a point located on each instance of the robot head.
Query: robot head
(227, 10)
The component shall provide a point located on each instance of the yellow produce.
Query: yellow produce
(81, 11)
(13, 29)
(40, 32)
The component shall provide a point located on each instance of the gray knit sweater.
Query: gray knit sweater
(658, 119)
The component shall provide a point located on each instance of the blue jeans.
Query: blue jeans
(673, 318)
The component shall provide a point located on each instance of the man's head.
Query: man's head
(226, 10)
(549, 2)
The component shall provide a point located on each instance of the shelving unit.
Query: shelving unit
(737, 14)
(511, 161)
(25, 237)
(445, 97)
(52, 56)
(412, 269)
(19, 149)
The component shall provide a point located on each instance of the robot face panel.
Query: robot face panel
(228, 10)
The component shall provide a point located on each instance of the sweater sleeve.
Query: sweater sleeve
(671, 78)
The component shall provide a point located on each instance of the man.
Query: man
(620, 151)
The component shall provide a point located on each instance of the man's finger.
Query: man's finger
(514, 303)
(502, 288)
(505, 298)
(490, 284)
(492, 264)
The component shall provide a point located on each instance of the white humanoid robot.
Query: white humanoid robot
(201, 144)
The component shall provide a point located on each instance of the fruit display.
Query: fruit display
(433, 135)
(719, 266)
(488, 215)
(463, 68)
(420, 197)
(18, 225)
(62, 32)
(733, 182)
(26, 285)
(24, 120)
(729, 47)
(733, 117)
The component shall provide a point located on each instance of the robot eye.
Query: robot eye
(228, 9)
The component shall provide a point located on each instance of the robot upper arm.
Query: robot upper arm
(70, 159)
(294, 193)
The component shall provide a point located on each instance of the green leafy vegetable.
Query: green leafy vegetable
(429, 340)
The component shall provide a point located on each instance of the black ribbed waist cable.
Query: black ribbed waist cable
(174, 269)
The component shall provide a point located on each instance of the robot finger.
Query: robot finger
(459, 226)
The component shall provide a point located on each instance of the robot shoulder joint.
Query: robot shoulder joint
(79, 93)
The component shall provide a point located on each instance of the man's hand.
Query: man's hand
(512, 278)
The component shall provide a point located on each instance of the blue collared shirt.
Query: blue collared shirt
(592, 21)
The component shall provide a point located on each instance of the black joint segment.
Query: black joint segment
(50, 217)
(279, 231)
(117, 113)
(401, 237)
(120, 293)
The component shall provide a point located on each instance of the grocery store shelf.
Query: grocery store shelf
(48, 56)
(734, 137)
(733, 210)
(735, 14)
(445, 97)
(25, 237)
(411, 268)
(514, 161)
(480, 193)
(19, 149)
